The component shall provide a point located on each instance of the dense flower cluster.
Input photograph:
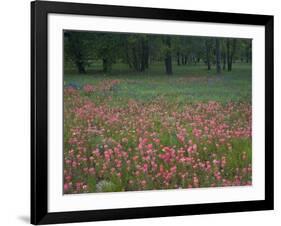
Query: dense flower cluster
(153, 145)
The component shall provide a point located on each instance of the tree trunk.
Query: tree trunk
(208, 55)
(106, 65)
(223, 60)
(80, 66)
(146, 55)
(138, 55)
(135, 59)
(127, 57)
(218, 56)
(230, 52)
(178, 58)
(168, 65)
(168, 57)
(76, 49)
(193, 58)
(183, 59)
(228, 58)
(142, 56)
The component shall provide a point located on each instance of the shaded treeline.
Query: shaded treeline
(139, 51)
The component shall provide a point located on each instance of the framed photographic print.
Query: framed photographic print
(145, 112)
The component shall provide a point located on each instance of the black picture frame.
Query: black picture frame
(39, 112)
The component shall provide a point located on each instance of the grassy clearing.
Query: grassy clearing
(188, 84)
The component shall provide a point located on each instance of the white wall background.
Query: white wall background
(15, 113)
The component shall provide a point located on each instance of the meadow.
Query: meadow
(130, 131)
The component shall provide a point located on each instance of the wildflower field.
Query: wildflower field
(143, 132)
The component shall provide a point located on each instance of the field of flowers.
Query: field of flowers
(129, 135)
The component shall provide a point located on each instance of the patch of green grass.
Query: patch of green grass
(189, 83)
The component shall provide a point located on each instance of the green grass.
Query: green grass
(189, 83)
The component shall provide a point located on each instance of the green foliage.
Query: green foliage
(91, 183)
(140, 51)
